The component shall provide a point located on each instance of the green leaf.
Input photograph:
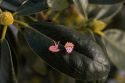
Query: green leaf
(86, 62)
(31, 7)
(57, 5)
(107, 12)
(8, 5)
(26, 58)
(1, 1)
(11, 4)
(14, 2)
(7, 74)
(105, 1)
(118, 22)
(115, 45)
(82, 6)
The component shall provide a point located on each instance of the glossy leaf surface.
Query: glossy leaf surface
(88, 61)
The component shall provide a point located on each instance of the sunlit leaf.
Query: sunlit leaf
(115, 44)
(82, 6)
(104, 12)
(1, 1)
(107, 12)
(57, 5)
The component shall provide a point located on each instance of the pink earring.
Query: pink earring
(54, 48)
(69, 47)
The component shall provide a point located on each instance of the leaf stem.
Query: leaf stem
(22, 23)
(4, 33)
(56, 16)
(14, 13)
(1, 11)
(33, 19)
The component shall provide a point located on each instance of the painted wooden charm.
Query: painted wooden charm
(69, 47)
(54, 48)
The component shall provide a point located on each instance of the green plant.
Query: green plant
(25, 39)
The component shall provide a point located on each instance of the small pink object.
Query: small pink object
(54, 48)
(69, 47)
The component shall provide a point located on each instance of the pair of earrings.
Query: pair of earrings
(68, 46)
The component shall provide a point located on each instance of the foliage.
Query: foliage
(29, 27)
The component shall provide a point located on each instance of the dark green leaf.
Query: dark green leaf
(32, 6)
(7, 74)
(27, 59)
(7, 5)
(115, 45)
(105, 1)
(88, 61)
(13, 2)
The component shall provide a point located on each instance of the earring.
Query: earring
(54, 48)
(69, 47)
